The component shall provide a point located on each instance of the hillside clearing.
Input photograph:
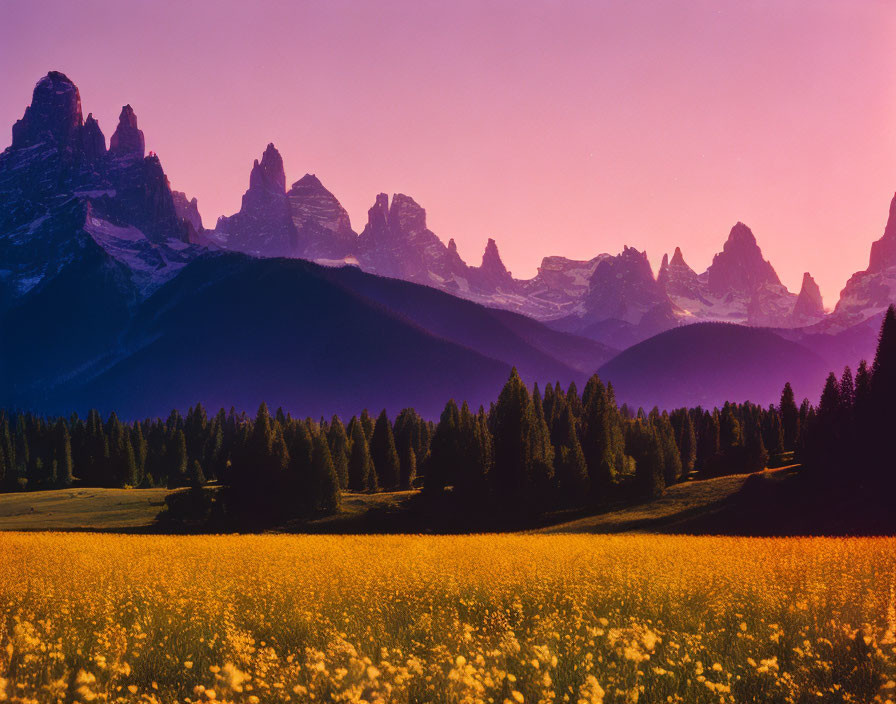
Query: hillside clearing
(81, 509)
(693, 506)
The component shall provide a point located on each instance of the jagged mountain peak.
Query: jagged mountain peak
(54, 113)
(740, 266)
(492, 275)
(406, 214)
(93, 142)
(883, 251)
(187, 209)
(740, 236)
(323, 227)
(127, 140)
(676, 278)
(491, 258)
(268, 174)
(870, 291)
(308, 181)
(678, 258)
(378, 215)
(809, 307)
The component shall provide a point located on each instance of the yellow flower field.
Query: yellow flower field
(515, 619)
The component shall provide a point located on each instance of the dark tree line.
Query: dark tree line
(528, 452)
(847, 443)
(536, 452)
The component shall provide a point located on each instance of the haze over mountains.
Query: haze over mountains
(113, 293)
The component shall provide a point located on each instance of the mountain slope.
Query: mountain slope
(709, 363)
(539, 352)
(281, 331)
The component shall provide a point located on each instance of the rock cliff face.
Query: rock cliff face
(54, 116)
(809, 307)
(309, 222)
(263, 226)
(869, 292)
(323, 228)
(397, 243)
(492, 276)
(187, 210)
(740, 286)
(64, 196)
(127, 140)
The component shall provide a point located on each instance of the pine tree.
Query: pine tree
(601, 438)
(687, 444)
(359, 464)
(446, 451)
(572, 472)
(338, 440)
(882, 407)
(790, 417)
(64, 468)
(672, 469)
(177, 460)
(367, 425)
(383, 453)
(730, 432)
(196, 478)
(408, 468)
(642, 443)
(824, 443)
(709, 443)
(514, 428)
(326, 483)
(772, 432)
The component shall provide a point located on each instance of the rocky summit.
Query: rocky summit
(739, 286)
(263, 225)
(127, 140)
(124, 205)
(64, 197)
(809, 307)
(869, 292)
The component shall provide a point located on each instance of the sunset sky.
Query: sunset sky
(567, 128)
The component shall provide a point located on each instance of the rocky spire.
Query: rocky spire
(378, 215)
(93, 143)
(406, 214)
(187, 209)
(678, 258)
(54, 113)
(623, 288)
(491, 260)
(264, 224)
(740, 265)
(492, 275)
(675, 276)
(883, 251)
(268, 175)
(127, 140)
(808, 306)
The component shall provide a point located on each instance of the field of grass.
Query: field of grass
(491, 619)
(685, 507)
(81, 509)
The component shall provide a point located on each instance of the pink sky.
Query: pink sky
(556, 127)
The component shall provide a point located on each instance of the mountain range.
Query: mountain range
(114, 294)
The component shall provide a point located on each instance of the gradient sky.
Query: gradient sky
(556, 127)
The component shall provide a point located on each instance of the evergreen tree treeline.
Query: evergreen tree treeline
(530, 451)
(846, 443)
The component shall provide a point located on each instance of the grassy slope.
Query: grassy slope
(702, 506)
(81, 509)
(690, 507)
